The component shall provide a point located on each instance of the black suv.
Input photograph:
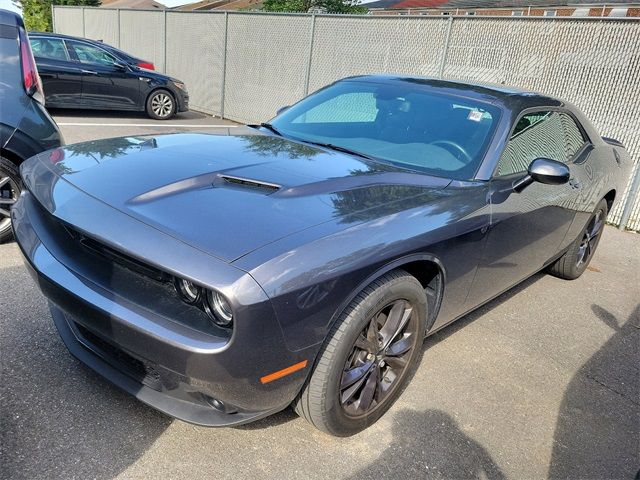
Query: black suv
(25, 126)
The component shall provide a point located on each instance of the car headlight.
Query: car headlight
(189, 291)
(214, 304)
(218, 308)
(180, 85)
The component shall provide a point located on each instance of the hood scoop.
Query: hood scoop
(245, 183)
(215, 180)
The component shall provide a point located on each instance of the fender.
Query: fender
(398, 262)
(18, 144)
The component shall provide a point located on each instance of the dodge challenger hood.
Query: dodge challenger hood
(228, 195)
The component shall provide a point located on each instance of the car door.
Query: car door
(529, 228)
(105, 82)
(61, 76)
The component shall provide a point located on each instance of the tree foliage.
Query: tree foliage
(37, 13)
(329, 6)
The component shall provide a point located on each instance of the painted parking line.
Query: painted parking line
(164, 125)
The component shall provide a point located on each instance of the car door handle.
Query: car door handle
(574, 183)
(89, 72)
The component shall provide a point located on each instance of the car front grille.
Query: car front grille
(131, 279)
(142, 371)
(117, 257)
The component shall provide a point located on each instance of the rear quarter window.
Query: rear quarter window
(10, 73)
(9, 32)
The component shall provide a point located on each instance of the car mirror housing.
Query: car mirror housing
(546, 171)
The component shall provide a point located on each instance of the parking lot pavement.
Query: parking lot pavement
(542, 382)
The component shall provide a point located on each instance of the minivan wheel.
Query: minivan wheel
(10, 186)
(368, 358)
(161, 105)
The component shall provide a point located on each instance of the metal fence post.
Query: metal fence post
(84, 33)
(630, 201)
(53, 18)
(119, 41)
(224, 62)
(445, 50)
(312, 33)
(165, 41)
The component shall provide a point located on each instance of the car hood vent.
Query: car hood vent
(240, 182)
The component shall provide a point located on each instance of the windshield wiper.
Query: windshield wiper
(338, 148)
(331, 146)
(271, 128)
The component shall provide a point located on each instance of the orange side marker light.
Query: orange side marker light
(284, 372)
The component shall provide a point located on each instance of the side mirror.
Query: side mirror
(282, 110)
(544, 170)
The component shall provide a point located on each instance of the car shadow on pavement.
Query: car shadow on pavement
(431, 445)
(58, 419)
(598, 428)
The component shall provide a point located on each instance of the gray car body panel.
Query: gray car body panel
(289, 233)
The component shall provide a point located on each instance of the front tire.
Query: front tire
(576, 260)
(10, 186)
(161, 105)
(368, 358)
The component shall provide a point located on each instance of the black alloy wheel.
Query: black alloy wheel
(590, 238)
(10, 187)
(580, 253)
(379, 358)
(368, 358)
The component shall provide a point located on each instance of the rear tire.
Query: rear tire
(576, 260)
(368, 358)
(161, 105)
(10, 187)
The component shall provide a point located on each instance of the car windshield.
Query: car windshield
(408, 125)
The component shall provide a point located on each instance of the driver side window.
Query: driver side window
(546, 134)
(91, 55)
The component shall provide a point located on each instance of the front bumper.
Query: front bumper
(183, 100)
(173, 368)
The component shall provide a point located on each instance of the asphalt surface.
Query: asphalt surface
(543, 382)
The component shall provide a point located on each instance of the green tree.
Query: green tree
(37, 13)
(330, 6)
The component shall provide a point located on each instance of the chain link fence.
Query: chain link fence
(244, 66)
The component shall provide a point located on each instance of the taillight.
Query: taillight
(30, 76)
(147, 65)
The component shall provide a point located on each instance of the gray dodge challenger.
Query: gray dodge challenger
(221, 279)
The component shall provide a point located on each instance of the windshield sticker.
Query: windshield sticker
(475, 115)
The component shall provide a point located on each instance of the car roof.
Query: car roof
(10, 18)
(502, 95)
(69, 37)
(99, 43)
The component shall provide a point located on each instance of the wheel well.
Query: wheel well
(12, 157)
(610, 197)
(432, 280)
